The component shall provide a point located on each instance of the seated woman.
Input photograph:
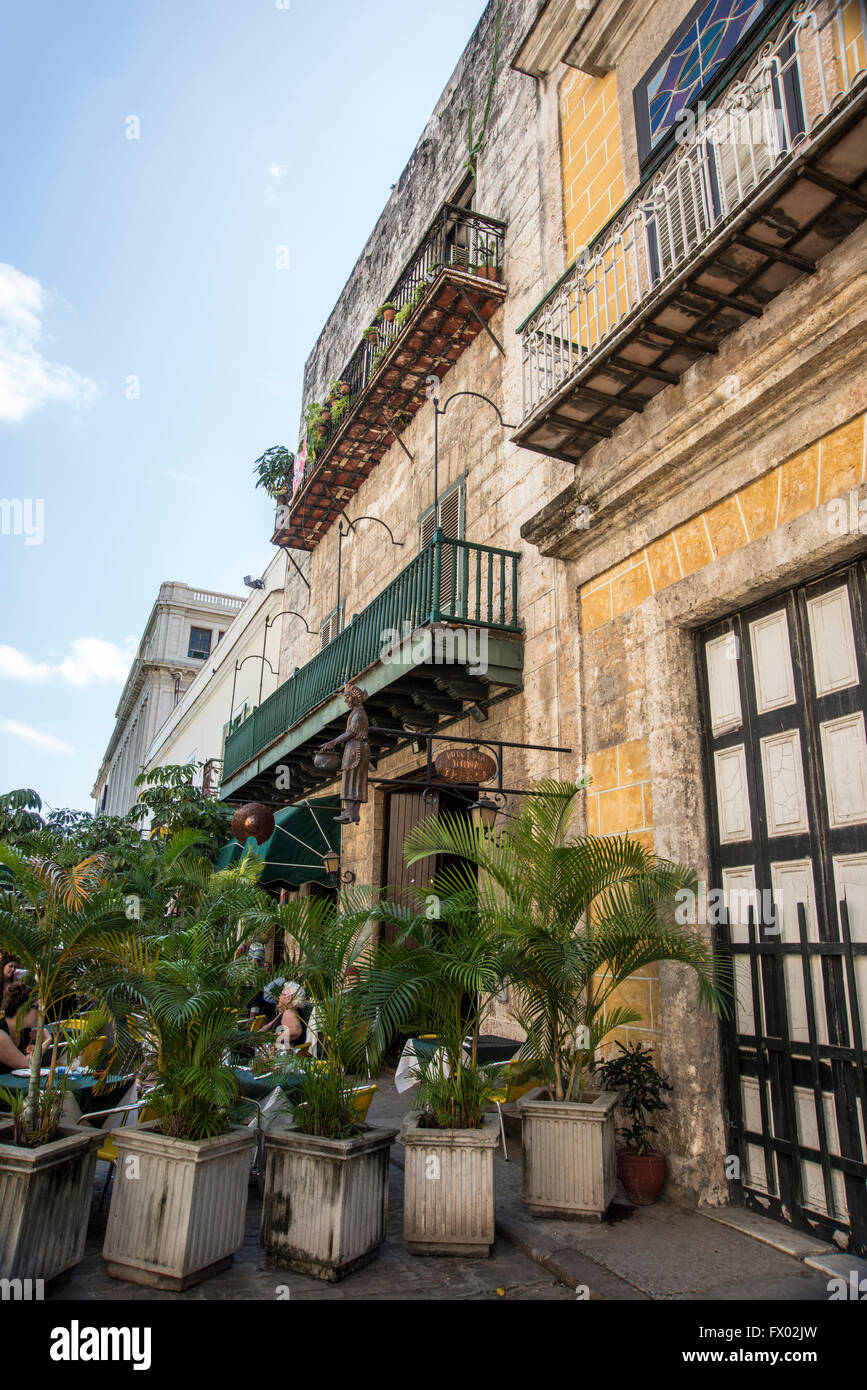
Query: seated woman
(15, 1044)
(19, 1015)
(9, 967)
(289, 1024)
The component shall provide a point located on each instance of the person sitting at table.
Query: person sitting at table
(9, 967)
(15, 1044)
(289, 1024)
(19, 1013)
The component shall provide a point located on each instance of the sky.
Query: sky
(185, 186)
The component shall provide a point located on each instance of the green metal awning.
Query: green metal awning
(293, 854)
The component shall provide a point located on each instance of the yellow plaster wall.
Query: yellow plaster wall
(824, 470)
(593, 183)
(620, 799)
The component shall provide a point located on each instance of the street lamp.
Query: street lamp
(331, 863)
(487, 808)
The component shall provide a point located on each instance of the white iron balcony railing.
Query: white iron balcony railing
(804, 71)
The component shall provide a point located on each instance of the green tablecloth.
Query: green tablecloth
(258, 1087)
(80, 1086)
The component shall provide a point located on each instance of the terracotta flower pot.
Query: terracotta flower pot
(388, 315)
(642, 1175)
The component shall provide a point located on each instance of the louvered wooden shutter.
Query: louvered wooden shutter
(329, 629)
(451, 519)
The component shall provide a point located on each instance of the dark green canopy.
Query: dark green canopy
(293, 855)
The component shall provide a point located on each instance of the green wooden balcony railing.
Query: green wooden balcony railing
(449, 580)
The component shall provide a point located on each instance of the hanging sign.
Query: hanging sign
(465, 765)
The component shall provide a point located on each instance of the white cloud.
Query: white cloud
(278, 171)
(46, 743)
(90, 661)
(17, 666)
(95, 660)
(27, 379)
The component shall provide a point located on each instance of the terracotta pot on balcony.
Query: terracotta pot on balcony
(388, 315)
(372, 336)
(488, 272)
(642, 1175)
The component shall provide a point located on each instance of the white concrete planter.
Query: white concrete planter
(177, 1215)
(570, 1166)
(326, 1200)
(45, 1197)
(448, 1189)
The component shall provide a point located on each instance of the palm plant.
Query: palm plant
(69, 932)
(441, 974)
(576, 918)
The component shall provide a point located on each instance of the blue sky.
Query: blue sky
(261, 125)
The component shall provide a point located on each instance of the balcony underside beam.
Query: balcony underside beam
(417, 694)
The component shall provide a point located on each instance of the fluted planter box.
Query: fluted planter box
(45, 1198)
(570, 1165)
(326, 1200)
(177, 1216)
(448, 1190)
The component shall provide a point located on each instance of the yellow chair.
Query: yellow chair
(505, 1094)
(258, 1022)
(90, 1054)
(361, 1098)
(302, 1049)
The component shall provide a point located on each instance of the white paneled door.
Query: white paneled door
(784, 691)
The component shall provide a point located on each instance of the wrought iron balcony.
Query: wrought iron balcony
(445, 296)
(450, 587)
(764, 183)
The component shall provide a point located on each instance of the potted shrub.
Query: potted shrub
(273, 470)
(441, 974)
(640, 1167)
(579, 916)
(486, 265)
(371, 335)
(65, 928)
(183, 1218)
(387, 311)
(326, 1185)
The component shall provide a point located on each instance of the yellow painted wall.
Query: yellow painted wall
(811, 478)
(620, 799)
(593, 186)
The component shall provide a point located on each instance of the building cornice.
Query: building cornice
(589, 36)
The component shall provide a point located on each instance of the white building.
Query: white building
(182, 634)
(231, 682)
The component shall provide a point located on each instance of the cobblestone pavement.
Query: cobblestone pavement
(658, 1253)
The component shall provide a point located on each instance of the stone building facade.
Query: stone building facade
(184, 627)
(673, 341)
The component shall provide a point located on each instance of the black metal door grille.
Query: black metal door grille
(783, 694)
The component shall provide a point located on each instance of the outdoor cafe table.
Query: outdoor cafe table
(79, 1085)
(259, 1087)
(489, 1049)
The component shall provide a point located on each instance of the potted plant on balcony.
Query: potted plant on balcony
(273, 470)
(640, 1167)
(371, 335)
(387, 311)
(326, 1188)
(487, 266)
(579, 916)
(183, 1219)
(67, 930)
(440, 974)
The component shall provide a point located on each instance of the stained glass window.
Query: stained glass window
(695, 54)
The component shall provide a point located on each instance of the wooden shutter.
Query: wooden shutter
(330, 628)
(451, 509)
(405, 810)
